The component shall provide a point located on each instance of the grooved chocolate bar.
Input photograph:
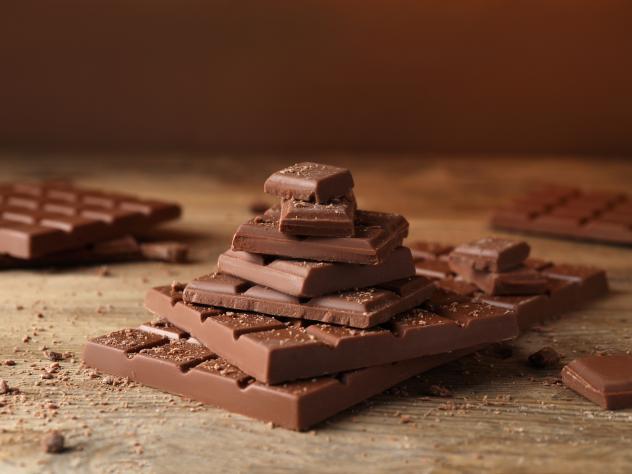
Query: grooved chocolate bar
(39, 219)
(332, 219)
(568, 212)
(376, 234)
(308, 181)
(362, 308)
(306, 278)
(567, 287)
(276, 350)
(181, 366)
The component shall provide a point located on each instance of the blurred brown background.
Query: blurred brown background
(520, 76)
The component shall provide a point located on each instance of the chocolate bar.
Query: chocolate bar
(184, 367)
(492, 254)
(39, 219)
(276, 350)
(568, 287)
(332, 219)
(376, 235)
(604, 380)
(518, 281)
(310, 182)
(362, 308)
(306, 278)
(568, 212)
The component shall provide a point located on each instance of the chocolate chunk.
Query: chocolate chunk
(362, 308)
(492, 254)
(376, 235)
(183, 367)
(53, 442)
(332, 219)
(310, 182)
(604, 380)
(45, 218)
(518, 281)
(544, 358)
(269, 350)
(570, 213)
(306, 278)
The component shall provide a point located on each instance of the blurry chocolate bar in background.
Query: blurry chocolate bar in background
(563, 211)
(56, 223)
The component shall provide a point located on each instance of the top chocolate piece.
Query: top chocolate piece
(310, 182)
(492, 254)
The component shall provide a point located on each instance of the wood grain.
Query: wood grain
(503, 416)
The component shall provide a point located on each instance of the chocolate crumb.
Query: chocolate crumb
(10, 362)
(103, 271)
(544, 358)
(40, 315)
(53, 442)
(405, 419)
(108, 380)
(54, 356)
(4, 387)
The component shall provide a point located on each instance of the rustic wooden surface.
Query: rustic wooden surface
(503, 416)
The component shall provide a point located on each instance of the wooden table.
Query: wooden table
(503, 416)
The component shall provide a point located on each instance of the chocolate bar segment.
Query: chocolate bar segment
(183, 367)
(306, 278)
(604, 380)
(571, 213)
(518, 281)
(273, 350)
(361, 308)
(308, 181)
(39, 219)
(492, 254)
(335, 218)
(376, 235)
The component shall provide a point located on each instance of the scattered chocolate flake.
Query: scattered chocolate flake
(53, 442)
(19, 307)
(500, 350)
(544, 358)
(26, 338)
(4, 387)
(10, 362)
(40, 315)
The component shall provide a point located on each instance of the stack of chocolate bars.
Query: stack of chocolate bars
(316, 307)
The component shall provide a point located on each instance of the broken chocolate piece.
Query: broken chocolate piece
(274, 351)
(306, 278)
(362, 308)
(492, 254)
(310, 182)
(604, 380)
(332, 219)
(186, 368)
(375, 236)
